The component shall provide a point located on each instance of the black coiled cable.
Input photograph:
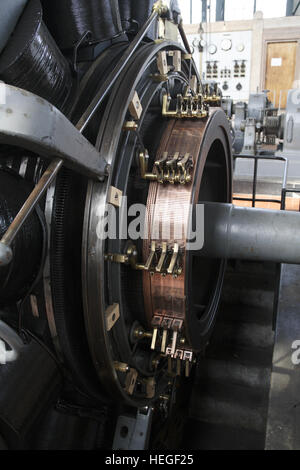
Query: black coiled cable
(134, 14)
(69, 20)
(31, 60)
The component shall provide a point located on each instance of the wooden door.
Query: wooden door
(280, 70)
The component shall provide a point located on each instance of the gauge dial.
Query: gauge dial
(212, 49)
(226, 44)
(240, 47)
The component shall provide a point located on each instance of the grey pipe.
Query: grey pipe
(254, 234)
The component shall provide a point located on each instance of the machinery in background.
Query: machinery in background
(291, 125)
(255, 123)
(258, 123)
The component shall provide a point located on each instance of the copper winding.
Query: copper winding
(165, 295)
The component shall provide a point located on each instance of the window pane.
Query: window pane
(197, 11)
(239, 9)
(185, 10)
(271, 9)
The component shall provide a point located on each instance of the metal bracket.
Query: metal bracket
(160, 7)
(115, 196)
(174, 169)
(130, 381)
(164, 260)
(112, 315)
(162, 63)
(135, 107)
(28, 121)
(133, 433)
(210, 96)
(157, 77)
(190, 107)
(182, 358)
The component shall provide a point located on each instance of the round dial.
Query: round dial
(202, 43)
(226, 44)
(240, 47)
(212, 49)
(196, 42)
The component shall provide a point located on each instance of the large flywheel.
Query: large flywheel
(146, 314)
(116, 221)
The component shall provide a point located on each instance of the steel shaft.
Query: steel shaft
(234, 232)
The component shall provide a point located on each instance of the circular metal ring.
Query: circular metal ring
(103, 344)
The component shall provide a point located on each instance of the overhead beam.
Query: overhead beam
(220, 10)
(290, 7)
(30, 122)
(204, 11)
(296, 8)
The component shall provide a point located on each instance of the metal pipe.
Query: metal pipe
(253, 234)
(26, 210)
(184, 38)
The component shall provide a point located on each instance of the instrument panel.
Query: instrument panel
(226, 59)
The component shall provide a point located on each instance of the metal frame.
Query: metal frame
(281, 202)
(30, 122)
(256, 159)
(296, 8)
(133, 433)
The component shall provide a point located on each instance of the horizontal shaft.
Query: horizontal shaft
(253, 234)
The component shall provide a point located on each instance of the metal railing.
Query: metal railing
(284, 190)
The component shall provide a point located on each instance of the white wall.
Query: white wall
(243, 9)
(185, 10)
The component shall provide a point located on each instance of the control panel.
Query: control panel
(226, 59)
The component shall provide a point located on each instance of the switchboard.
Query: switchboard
(225, 58)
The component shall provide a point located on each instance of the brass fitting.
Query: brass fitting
(160, 8)
(121, 367)
(140, 333)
